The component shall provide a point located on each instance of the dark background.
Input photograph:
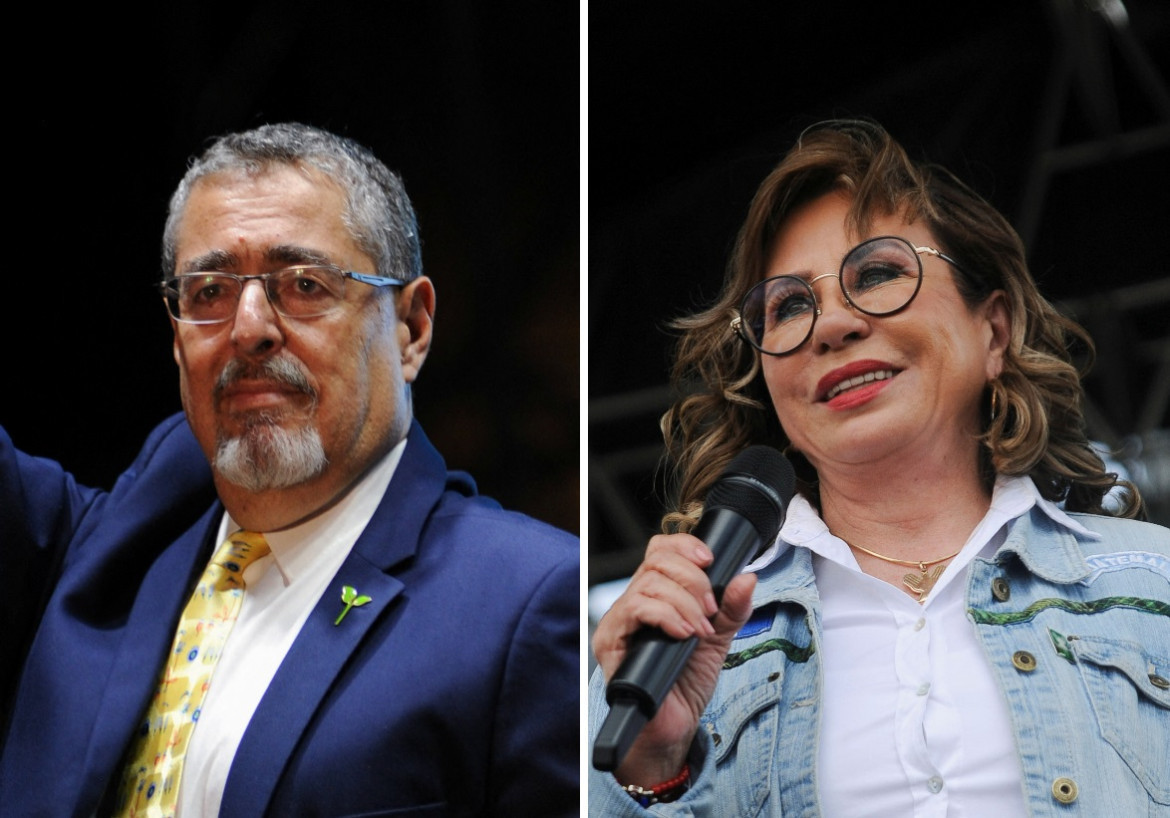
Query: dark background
(1060, 118)
(475, 105)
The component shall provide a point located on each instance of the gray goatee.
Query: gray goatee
(266, 455)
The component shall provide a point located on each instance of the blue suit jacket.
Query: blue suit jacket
(454, 692)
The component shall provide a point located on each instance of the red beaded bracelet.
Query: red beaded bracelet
(663, 793)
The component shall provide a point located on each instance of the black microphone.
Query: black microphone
(741, 515)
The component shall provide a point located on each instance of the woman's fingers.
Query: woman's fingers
(669, 591)
(671, 587)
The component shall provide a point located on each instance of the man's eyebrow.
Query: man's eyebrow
(290, 254)
(282, 255)
(212, 261)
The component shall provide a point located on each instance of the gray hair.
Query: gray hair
(378, 214)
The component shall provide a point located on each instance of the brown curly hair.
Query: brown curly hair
(1038, 428)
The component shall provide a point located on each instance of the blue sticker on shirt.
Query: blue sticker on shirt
(759, 622)
(1123, 561)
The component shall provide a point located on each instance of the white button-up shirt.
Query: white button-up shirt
(913, 723)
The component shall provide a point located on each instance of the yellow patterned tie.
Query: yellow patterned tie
(150, 780)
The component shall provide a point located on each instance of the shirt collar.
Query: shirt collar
(297, 551)
(1011, 498)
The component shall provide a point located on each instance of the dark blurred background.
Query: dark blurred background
(475, 105)
(1057, 111)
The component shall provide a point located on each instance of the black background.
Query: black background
(475, 105)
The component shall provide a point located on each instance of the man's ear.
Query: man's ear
(175, 340)
(416, 314)
(999, 323)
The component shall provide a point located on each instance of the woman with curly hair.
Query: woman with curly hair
(953, 620)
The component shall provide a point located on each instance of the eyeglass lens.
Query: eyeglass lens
(878, 277)
(298, 292)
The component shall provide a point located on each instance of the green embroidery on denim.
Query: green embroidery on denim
(795, 653)
(1060, 645)
(1154, 606)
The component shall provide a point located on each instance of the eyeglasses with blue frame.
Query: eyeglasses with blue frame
(302, 291)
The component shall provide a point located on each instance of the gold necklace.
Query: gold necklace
(922, 582)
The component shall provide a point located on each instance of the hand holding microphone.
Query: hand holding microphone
(742, 514)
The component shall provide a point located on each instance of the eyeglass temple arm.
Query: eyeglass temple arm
(376, 281)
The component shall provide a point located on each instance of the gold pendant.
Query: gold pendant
(922, 583)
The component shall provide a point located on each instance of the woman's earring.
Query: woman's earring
(995, 388)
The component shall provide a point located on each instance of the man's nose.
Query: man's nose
(256, 330)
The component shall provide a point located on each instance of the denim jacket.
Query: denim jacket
(1077, 632)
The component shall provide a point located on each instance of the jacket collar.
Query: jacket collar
(1048, 547)
(416, 488)
(788, 578)
(1015, 500)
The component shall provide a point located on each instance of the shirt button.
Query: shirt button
(1159, 681)
(920, 624)
(1001, 589)
(1024, 661)
(935, 784)
(1064, 790)
(923, 689)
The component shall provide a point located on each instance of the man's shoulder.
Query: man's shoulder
(170, 449)
(470, 538)
(484, 521)
(458, 514)
(170, 469)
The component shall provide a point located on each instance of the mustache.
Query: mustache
(282, 371)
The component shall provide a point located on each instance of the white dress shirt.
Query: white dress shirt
(913, 722)
(281, 591)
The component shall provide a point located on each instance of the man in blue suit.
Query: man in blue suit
(402, 647)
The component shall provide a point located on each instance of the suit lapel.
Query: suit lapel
(309, 670)
(322, 650)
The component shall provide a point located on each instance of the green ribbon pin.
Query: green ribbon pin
(349, 596)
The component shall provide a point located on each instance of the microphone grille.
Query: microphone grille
(757, 485)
